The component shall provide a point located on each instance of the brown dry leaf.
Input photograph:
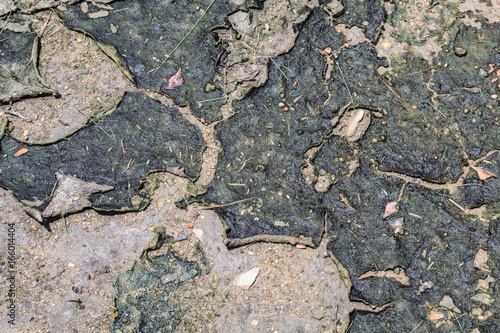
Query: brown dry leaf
(20, 152)
(436, 316)
(483, 173)
(175, 80)
(390, 208)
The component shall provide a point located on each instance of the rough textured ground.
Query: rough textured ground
(356, 151)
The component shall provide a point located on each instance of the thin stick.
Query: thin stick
(183, 39)
(409, 108)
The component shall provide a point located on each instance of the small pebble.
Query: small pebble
(483, 73)
(460, 51)
(318, 316)
(71, 265)
(254, 322)
(329, 269)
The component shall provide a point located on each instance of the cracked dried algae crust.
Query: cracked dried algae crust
(412, 137)
(18, 78)
(146, 299)
(148, 40)
(119, 150)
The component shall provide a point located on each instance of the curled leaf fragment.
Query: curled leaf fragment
(21, 152)
(483, 173)
(390, 208)
(436, 316)
(175, 80)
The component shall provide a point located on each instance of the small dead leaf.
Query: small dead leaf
(436, 316)
(397, 225)
(300, 246)
(386, 44)
(20, 152)
(390, 208)
(175, 80)
(91, 276)
(115, 314)
(483, 173)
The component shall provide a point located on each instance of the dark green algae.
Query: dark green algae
(154, 138)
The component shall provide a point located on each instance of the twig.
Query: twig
(229, 204)
(410, 109)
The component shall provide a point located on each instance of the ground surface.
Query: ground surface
(67, 267)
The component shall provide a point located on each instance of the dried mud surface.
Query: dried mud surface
(349, 150)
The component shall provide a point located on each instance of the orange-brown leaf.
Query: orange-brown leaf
(483, 173)
(390, 208)
(436, 316)
(21, 151)
(175, 80)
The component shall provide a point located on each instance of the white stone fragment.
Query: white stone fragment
(245, 280)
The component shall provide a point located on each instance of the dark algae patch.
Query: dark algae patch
(119, 150)
(150, 40)
(436, 248)
(145, 300)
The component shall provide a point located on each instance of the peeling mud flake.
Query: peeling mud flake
(72, 195)
(119, 150)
